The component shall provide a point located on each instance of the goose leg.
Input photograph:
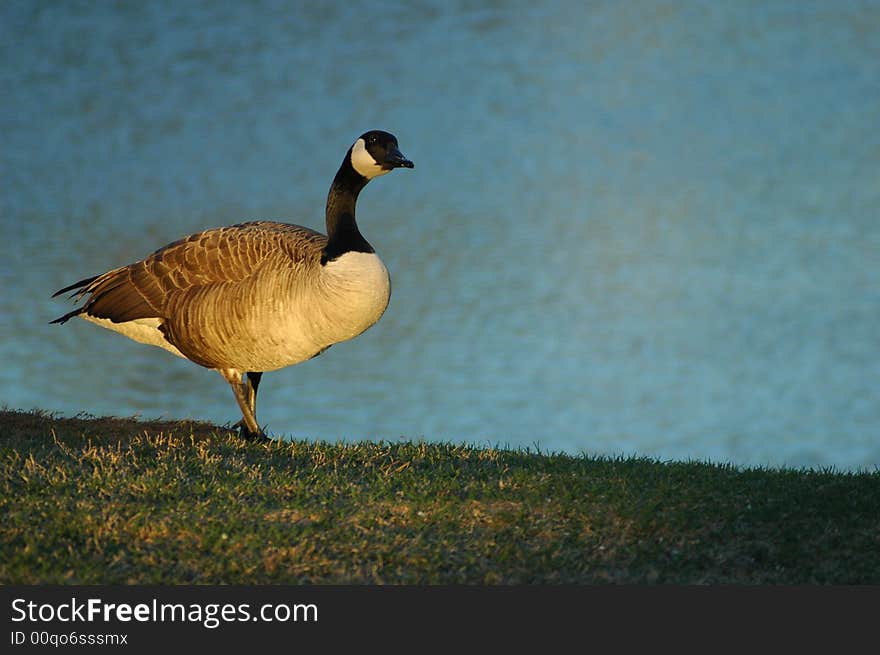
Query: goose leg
(246, 396)
(253, 382)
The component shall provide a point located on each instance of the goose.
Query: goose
(257, 296)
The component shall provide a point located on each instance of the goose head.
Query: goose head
(376, 153)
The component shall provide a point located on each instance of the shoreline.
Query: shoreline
(108, 500)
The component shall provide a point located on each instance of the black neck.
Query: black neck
(342, 231)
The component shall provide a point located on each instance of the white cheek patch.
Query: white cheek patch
(363, 161)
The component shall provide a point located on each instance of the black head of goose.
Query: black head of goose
(257, 296)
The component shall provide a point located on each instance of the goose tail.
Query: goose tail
(78, 288)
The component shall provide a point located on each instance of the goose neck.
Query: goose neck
(342, 230)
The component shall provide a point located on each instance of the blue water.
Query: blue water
(633, 228)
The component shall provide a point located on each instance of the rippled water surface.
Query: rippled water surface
(641, 228)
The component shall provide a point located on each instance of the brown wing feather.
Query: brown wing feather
(151, 286)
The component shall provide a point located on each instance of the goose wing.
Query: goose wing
(151, 287)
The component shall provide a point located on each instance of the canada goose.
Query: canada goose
(257, 296)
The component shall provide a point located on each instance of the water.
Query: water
(633, 228)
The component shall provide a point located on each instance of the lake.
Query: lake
(633, 228)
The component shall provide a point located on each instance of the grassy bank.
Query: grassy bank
(123, 501)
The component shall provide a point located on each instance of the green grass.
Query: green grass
(110, 500)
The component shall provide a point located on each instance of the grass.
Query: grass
(108, 500)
